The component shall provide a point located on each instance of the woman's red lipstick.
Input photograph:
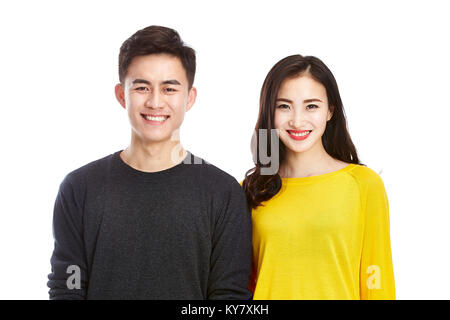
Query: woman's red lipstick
(294, 134)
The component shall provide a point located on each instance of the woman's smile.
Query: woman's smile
(299, 134)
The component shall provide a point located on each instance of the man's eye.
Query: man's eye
(313, 106)
(283, 106)
(141, 88)
(171, 90)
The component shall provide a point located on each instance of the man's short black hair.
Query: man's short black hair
(154, 40)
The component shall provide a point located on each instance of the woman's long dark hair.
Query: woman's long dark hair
(336, 139)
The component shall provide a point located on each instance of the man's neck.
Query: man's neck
(153, 157)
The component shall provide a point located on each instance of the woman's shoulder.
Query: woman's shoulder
(366, 177)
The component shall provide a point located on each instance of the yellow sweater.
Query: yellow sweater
(324, 237)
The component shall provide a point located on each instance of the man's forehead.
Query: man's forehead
(156, 69)
(157, 63)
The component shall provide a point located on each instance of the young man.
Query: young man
(151, 221)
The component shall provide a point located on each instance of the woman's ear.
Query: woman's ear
(330, 113)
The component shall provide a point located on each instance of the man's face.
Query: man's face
(155, 93)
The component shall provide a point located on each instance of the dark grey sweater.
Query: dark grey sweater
(180, 233)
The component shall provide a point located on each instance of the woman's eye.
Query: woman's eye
(283, 106)
(313, 106)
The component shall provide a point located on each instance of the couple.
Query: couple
(154, 221)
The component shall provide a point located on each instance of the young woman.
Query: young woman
(321, 221)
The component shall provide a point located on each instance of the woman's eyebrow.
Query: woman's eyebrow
(312, 100)
(284, 100)
(305, 101)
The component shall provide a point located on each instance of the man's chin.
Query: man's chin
(151, 138)
(156, 140)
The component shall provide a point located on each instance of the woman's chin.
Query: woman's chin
(297, 146)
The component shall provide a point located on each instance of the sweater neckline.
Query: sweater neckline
(145, 175)
(311, 179)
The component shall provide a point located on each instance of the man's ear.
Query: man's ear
(120, 95)
(191, 98)
(330, 113)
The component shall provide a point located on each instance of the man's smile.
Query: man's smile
(154, 119)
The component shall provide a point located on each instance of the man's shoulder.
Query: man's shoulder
(209, 172)
(90, 171)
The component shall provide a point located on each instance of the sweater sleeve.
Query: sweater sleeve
(68, 277)
(252, 280)
(231, 248)
(376, 272)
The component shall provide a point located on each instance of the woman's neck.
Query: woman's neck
(308, 163)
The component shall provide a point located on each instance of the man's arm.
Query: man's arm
(231, 248)
(68, 279)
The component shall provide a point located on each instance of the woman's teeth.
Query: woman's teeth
(299, 134)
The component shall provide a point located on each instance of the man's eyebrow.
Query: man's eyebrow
(140, 81)
(171, 81)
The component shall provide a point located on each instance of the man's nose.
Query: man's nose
(154, 100)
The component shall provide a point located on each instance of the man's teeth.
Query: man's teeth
(158, 118)
(299, 134)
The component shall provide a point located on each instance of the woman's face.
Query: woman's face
(301, 113)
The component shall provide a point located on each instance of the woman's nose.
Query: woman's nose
(297, 119)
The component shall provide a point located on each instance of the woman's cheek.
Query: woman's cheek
(278, 120)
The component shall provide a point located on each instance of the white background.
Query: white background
(58, 68)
